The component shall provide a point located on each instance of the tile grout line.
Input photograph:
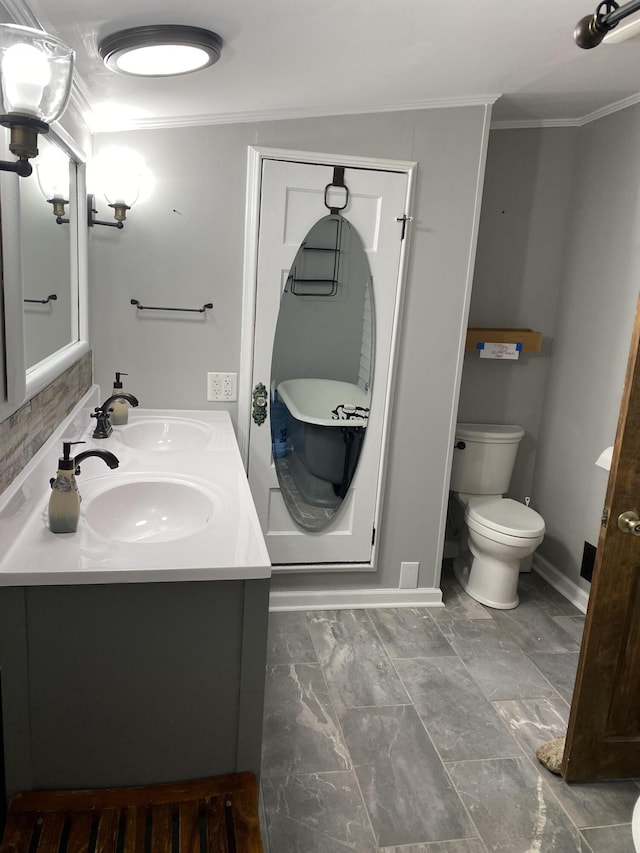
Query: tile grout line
(523, 753)
(346, 745)
(436, 750)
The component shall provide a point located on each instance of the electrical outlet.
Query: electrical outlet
(222, 387)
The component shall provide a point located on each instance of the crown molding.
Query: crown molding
(80, 100)
(21, 13)
(527, 124)
(631, 101)
(294, 113)
(615, 107)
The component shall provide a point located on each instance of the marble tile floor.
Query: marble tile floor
(415, 730)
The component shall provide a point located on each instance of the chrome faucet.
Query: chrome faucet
(103, 424)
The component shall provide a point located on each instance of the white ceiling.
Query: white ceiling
(289, 58)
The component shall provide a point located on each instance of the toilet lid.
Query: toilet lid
(507, 516)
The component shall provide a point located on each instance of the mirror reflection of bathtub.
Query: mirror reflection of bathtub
(318, 428)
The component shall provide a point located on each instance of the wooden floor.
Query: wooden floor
(217, 815)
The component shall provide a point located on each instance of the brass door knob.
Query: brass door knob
(629, 522)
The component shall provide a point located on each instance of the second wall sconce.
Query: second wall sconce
(119, 214)
(118, 173)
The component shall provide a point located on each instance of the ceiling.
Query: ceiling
(292, 58)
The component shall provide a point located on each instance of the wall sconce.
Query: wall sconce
(36, 71)
(52, 169)
(118, 172)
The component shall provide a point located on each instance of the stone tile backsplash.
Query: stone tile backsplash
(24, 432)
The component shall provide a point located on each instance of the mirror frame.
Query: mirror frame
(21, 383)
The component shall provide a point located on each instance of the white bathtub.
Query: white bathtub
(314, 400)
(327, 455)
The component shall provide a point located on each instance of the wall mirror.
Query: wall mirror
(42, 259)
(321, 371)
(50, 321)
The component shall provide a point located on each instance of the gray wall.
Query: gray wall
(594, 320)
(185, 246)
(521, 247)
(557, 251)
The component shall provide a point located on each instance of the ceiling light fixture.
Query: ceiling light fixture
(36, 71)
(591, 30)
(160, 50)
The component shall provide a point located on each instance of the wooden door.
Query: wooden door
(603, 737)
(291, 201)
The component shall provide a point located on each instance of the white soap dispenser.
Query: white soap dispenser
(119, 414)
(64, 503)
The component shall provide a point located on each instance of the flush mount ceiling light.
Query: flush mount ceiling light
(160, 50)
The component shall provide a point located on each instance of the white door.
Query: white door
(291, 202)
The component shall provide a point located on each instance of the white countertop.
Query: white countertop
(230, 547)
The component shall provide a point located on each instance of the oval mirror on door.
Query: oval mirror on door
(321, 371)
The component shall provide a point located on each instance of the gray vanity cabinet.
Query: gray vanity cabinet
(131, 683)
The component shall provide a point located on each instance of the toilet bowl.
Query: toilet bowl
(500, 532)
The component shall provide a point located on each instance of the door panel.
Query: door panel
(603, 737)
(292, 200)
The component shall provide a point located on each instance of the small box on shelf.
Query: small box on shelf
(530, 340)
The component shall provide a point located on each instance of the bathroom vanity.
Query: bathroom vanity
(132, 652)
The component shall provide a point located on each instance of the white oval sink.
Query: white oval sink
(148, 508)
(164, 434)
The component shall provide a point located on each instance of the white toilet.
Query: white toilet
(499, 532)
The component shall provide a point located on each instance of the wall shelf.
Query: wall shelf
(531, 341)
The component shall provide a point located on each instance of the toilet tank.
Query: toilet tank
(485, 464)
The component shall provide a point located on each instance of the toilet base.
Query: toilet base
(489, 582)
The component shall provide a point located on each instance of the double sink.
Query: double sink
(159, 506)
(178, 507)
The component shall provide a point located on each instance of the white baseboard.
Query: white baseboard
(571, 591)
(354, 599)
(359, 599)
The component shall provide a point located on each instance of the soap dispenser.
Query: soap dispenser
(120, 408)
(64, 503)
